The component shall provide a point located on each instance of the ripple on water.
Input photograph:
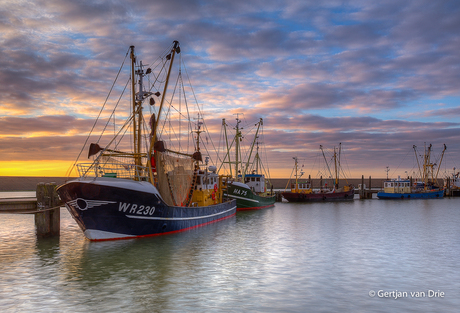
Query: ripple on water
(290, 258)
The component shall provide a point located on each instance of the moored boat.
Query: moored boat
(302, 191)
(246, 184)
(402, 189)
(150, 190)
(425, 188)
(452, 184)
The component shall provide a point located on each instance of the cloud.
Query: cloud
(55, 125)
(368, 74)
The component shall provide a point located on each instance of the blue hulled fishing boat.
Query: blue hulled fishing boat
(150, 189)
(425, 188)
(404, 189)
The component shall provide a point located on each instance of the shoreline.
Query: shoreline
(29, 183)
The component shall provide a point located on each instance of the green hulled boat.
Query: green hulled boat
(248, 196)
(251, 189)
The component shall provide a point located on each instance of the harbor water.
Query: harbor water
(359, 256)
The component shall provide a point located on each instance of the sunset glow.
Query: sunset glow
(377, 77)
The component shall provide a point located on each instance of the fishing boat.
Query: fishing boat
(246, 182)
(425, 188)
(452, 184)
(302, 190)
(155, 188)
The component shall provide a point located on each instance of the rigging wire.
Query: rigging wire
(205, 127)
(69, 171)
(401, 162)
(113, 111)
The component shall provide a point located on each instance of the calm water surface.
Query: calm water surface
(325, 257)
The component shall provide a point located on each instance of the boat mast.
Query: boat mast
(324, 156)
(296, 183)
(224, 125)
(175, 49)
(252, 145)
(136, 117)
(439, 166)
(418, 163)
(238, 137)
(427, 165)
(336, 171)
(257, 159)
(198, 131)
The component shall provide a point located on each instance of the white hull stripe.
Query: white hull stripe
(243, 198)
(178, 218)
(93, 234)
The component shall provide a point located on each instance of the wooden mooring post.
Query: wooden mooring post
(365, 193)
(278, 196)
(47, 222)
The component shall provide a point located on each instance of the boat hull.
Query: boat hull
(246, 199)
(418, 195)
(110, 208)
(319, 197)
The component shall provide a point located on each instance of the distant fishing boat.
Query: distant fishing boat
(426, 188)
(151, 189)
(302, 191)
(455, 181)
(452, 184)
(246, 183)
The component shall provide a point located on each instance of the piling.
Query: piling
(48, 217)
(278, 196)
(365, 193)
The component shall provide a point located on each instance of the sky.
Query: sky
(376, 76)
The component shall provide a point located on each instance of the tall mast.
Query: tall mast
(175, 49)
(324, 156)
(139, 98)
(198, 132)
(224, 125)
(238, 137)
(257, 159)
(134, 107)
(439, 166)
(168, 57)
(418, 163)
(427, 164)
(336, 171)
(253, 143)
(296, 184)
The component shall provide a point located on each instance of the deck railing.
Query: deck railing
(114, 170)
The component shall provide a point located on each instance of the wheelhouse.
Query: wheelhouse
(397, 186)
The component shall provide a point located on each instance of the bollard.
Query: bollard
(278, 196)
(369, 193)
(47, 223)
